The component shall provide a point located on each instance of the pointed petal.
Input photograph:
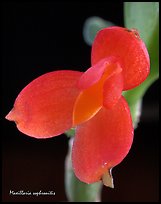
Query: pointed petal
(128, 48)
(102, 142)
(44, 107)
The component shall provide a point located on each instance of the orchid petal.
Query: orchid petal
(112, 90)
(44, 107)
(128, 48)
(102, 142)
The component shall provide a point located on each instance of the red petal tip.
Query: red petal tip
(10, 116)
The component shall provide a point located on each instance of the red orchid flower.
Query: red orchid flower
(90, 101)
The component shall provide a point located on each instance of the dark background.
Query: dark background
(41, 37)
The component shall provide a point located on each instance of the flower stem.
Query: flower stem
(76, 190)
(146, 19)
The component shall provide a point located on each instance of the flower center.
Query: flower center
(90, 100)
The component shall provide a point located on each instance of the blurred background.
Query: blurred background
(42, 37)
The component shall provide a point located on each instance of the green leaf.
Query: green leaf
(144, 16)
(91, 26)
